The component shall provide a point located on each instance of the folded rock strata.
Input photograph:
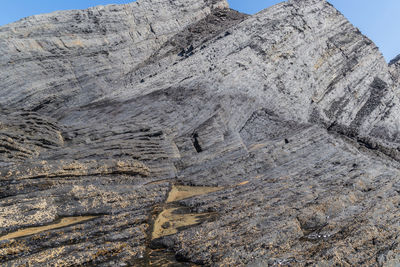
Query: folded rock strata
(292, 114)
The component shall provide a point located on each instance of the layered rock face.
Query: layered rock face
(184, 133)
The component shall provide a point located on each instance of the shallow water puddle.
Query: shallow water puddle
(179, 192)
(34, 230)
(169, 221)
(175, 217)
(172, 218)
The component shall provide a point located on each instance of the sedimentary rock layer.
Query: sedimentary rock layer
(184, 133)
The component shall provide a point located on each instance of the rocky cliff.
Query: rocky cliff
(184, 133)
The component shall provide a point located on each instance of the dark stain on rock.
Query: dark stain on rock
(337, 108)
(378, 90)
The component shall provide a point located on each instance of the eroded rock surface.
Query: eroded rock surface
(184, 133)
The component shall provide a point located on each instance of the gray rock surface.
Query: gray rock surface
(291, 115)
(394, 65)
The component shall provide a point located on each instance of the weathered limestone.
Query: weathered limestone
(183, 133)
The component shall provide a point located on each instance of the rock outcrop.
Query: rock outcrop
(184, 133)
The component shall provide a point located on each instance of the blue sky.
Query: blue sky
(376, 19)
